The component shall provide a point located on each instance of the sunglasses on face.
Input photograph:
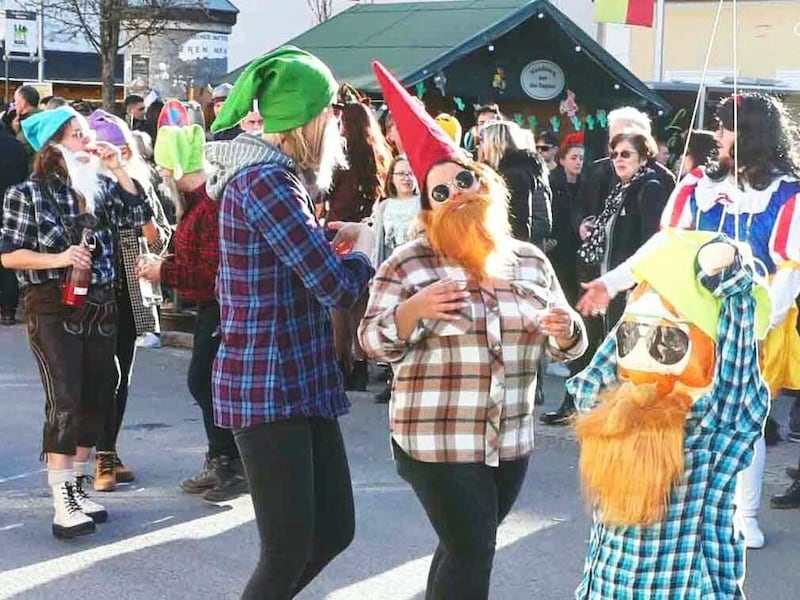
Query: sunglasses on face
(463, 181)
(665, 343)
(623, 154)
(544, 148)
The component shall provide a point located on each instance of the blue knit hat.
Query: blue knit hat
(40, 127)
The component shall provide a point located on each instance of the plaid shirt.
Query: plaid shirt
(692, 553)
(192, 269)
(278, 280)
(33, 220)
(464, 390)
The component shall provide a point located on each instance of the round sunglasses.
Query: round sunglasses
(463, 181)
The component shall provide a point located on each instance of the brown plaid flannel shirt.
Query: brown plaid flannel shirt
(464, 390)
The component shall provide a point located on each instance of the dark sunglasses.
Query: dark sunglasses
(544, 148)
(463, 181)
(666, 344)
(624, 154)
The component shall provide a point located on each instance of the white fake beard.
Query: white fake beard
(83, 170)
(331, 155)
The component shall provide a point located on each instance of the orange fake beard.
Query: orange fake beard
(632, 453)
(461, 230)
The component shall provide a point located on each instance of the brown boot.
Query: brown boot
(104, 478)
(122, 473)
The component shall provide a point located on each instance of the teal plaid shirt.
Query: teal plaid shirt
(693, 553)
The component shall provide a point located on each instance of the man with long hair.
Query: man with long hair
(50, 222)
(749, 194)
(277, 383)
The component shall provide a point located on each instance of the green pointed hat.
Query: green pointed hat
(670, 267)
(291, 86)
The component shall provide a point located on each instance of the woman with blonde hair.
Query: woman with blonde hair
(277, 383)
(505, 148)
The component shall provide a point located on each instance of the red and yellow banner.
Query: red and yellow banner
(630, 12)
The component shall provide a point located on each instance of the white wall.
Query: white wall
(264, 24)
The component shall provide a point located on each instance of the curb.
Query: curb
(177, 339)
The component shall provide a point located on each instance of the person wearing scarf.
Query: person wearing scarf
(630, 215)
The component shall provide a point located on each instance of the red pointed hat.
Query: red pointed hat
(425, 142)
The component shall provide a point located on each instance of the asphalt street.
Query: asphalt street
(160, 543)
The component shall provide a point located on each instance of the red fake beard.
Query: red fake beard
(462, 231)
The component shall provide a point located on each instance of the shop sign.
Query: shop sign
(542, 80)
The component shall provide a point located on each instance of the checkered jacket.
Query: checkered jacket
(144, 318)
(692, 554)
(33, 219)
(464, 391)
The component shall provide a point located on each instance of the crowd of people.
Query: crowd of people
(313, 233)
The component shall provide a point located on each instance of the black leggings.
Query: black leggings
(465, 503)
(303, 498)
(125, 354)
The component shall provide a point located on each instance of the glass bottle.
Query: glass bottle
(78, 279)
(151, 291)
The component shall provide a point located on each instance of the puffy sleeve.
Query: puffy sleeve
(681, 208)
(784, 248)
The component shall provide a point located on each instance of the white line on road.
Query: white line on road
(515, 528)
(21, 475)
(24, 579)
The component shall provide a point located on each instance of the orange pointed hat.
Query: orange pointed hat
(425, 142)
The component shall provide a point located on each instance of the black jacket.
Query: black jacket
(13, 161)
(637, 219)
(530, 211)
(563, 256)
(600, 179)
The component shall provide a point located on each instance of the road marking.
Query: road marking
(21, 476)
(24, 579)
(516, 527)
(12, 526)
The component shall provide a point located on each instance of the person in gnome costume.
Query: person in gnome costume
(463, 313)
(63, 217)
(750, 194)
(277, 383)
(133, 318)
(671, 407)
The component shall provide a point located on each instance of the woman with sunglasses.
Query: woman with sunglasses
(463, 313)
(629, 215)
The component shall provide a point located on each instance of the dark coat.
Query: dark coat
(600, 179)
(13, 161)
(563, 256)
(530, 210)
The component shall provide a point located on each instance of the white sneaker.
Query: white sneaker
(557, 370)
(748, 528)
(148, 340)
(90, 508)
(69, 520)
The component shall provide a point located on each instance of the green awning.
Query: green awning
(417, 39)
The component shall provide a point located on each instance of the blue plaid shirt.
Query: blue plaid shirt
(692, 553)
(278, 281)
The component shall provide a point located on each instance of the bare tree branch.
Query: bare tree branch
(110, 26)
(321, 9)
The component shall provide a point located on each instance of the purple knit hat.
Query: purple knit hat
(109, 128)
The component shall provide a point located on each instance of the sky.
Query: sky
(265, 24)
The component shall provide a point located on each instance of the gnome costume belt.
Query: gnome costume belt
(668, 346)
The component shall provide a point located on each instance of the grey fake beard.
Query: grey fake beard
(83, 170)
